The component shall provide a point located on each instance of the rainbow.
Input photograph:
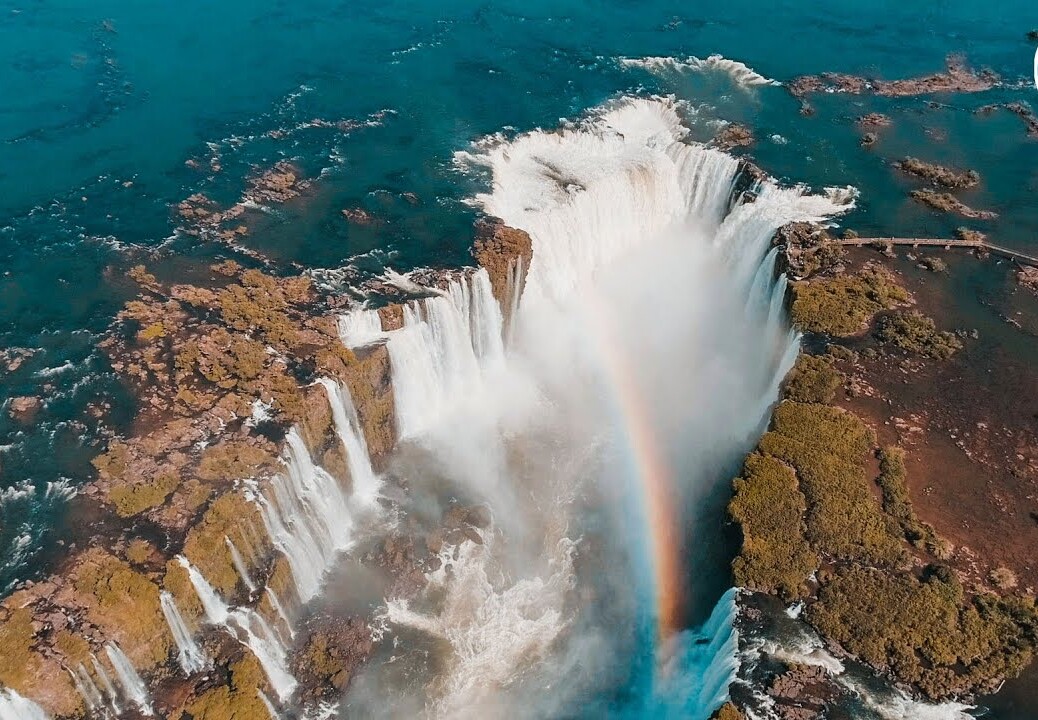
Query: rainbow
(653, 473)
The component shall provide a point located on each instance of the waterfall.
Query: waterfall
(106, 682)
(640, 361)
(14, 707)
(190, 656)
(239, 565)
(268, 705)
(280, 610)
(693, 681)
(132, 684)
(446, 343)
(86, 688)
(308, 514)
(364, 485)
(216, 610)
(360, 327)
(516, 276)
(247, 627)
(307, 517)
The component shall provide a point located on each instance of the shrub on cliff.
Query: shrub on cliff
(775, 556)
(135, 497)
(828, 447)
(728, 711)
(916, 333)
(893, 481)
(925, 631)
(844, 305)
(237, 699)
(813, 379)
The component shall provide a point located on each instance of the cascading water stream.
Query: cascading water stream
(86, 688)
(364, 485)
(239, 564)
(133, 686)
(249, 628)
(307, 516)
(190, 656)
(106, 683)
(280, 610)
(650, 316)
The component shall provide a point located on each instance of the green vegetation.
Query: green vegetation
(805, 502)
(124, 604)
(1003, 578)
(813, 379)
(140, 551)
(775, 556)
(916, 333)
(844, 305)
(152, 332)
(829, 448)
(136, 497)
(18, 664)
(228, 516)
(728, 711)
(927, 631)
(259, 304)
(234, 461)
(893, 481)
(933, 263)
(237, 699)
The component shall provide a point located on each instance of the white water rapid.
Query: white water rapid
(14, 707)
(641, 360)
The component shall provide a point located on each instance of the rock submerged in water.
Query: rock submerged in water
(733, 135)
(1028, 277)
(24, 408)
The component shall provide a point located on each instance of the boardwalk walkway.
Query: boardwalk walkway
(946, 243)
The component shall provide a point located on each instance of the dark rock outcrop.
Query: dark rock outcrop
(505, 253)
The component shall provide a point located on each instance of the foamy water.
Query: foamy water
(741, 74)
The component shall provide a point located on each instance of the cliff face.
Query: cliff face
(829, 510)
(221, 373)
(505, 253)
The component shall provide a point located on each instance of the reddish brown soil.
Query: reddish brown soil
(969, 424)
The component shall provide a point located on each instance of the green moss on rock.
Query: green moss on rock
(926, 631)
(230, 460)
(136, 497)
(125, 604)
(829, 447)
(206, 547)
(813, 379)
(237, 699)
(775, 556)
(728, 711)
(844, 305)
(916, 333)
